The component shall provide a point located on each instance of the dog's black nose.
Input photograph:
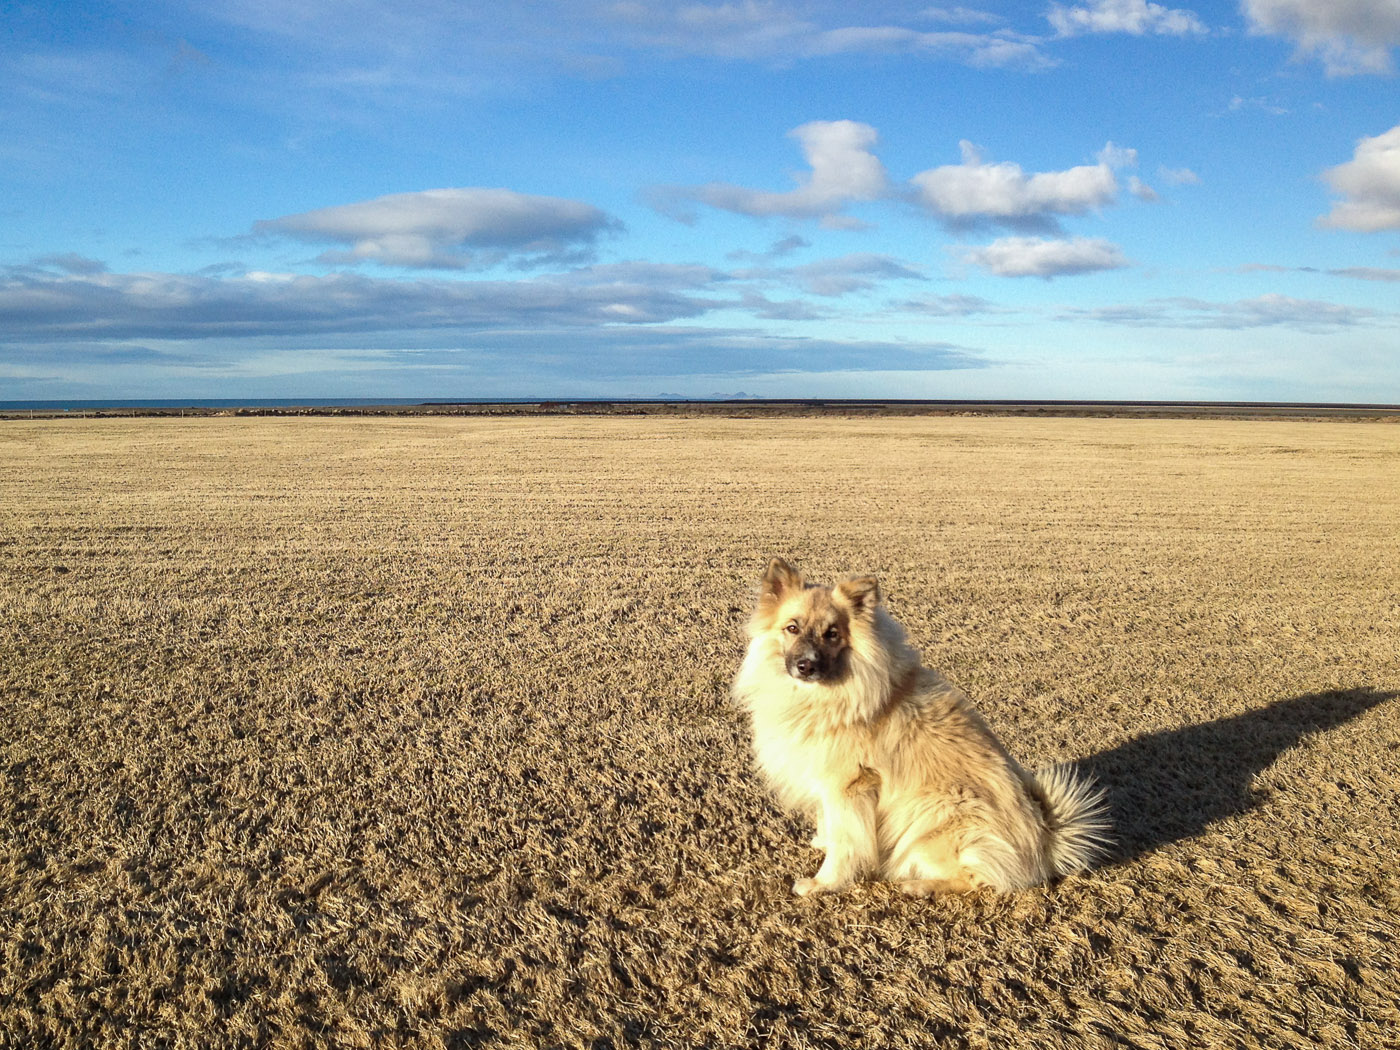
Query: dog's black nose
(806, 668)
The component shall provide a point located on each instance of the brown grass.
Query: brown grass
(414, 732)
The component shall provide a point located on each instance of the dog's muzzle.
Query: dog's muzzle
(806, 666)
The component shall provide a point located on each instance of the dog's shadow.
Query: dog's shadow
(1170, 786)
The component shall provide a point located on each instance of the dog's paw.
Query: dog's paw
(807, 887)
(921, 887)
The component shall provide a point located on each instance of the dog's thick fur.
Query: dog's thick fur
(904, 780)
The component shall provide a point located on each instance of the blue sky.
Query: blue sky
(1084, 199)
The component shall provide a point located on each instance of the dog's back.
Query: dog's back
(955, 807)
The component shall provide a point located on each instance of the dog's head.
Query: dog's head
(814, 625)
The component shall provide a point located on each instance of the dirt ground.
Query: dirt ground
(415, 731)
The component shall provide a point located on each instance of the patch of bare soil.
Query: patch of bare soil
(415, 731)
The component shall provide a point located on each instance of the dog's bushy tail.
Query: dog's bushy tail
(1077, 811)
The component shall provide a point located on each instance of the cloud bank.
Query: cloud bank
(612, 323)
(45, 308)
(70, 298)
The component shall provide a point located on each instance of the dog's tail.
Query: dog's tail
(1076, 811)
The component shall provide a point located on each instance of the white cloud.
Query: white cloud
(1038, 257)
(1179, 176)
(1112, 156)
(843, 170)
(1258, 103)
(976, 191)
(1142, 191)
(1369, 185)
(1136, 17)
(450, 229)
(1349, 36)
(731, 30)
(972, 193)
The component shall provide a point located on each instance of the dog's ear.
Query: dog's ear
(779, 581)
(861, 593)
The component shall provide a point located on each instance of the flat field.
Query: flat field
(415, 731)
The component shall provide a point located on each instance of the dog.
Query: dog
(903, 778)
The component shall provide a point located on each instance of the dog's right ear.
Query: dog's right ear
(778, 582)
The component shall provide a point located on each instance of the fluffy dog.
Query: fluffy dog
(904, 780)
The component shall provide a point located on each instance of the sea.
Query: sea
(250, 402)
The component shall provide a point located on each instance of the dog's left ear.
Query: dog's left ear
(862, 594)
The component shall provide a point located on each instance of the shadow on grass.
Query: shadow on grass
(1169, 786)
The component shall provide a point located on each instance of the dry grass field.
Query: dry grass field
(415, 732)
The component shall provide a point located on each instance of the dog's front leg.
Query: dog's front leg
(846, 825)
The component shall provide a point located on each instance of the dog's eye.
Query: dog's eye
(833, 634)
(792, 628)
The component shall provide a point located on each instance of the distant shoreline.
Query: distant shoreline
(742, 407)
